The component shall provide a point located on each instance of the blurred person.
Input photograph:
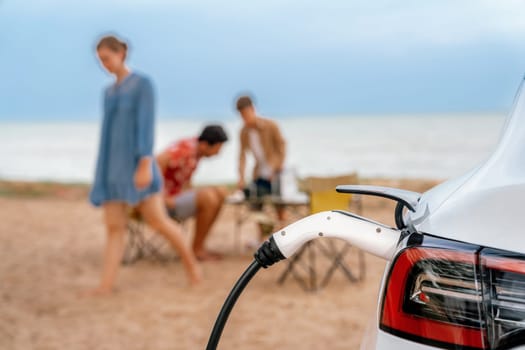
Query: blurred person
(126, 173)
(177, 163)
(261, 138)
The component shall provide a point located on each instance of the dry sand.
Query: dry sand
(51, 243)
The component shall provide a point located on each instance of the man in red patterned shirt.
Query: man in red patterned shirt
(178, 163)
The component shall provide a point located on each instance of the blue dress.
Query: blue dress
(127, 136)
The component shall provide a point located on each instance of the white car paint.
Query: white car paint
(484, 206)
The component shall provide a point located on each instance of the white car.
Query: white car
(457, 277)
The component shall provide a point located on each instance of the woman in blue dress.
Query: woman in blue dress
(127, 174)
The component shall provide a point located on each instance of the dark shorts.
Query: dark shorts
(259, 189)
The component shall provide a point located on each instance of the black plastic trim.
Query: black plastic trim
(268, 253)
(408, 198)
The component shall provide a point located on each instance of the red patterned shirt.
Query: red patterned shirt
(182, 163)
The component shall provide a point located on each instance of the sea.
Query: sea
(427, 146)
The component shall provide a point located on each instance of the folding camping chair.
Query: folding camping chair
(314, 265)
(143, 243)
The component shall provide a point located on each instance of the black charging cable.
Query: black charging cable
(267, 255)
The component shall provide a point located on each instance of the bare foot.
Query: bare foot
(195, 275)
(206, 255)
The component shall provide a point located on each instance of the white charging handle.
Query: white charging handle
(370, 236)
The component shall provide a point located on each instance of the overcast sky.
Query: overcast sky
(298, 57)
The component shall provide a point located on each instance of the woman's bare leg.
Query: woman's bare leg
(115, 218)
(154, 213)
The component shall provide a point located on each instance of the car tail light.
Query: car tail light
(504, 290)
(456, 297)
(433, 296)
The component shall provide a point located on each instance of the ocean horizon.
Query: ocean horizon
(433, 146)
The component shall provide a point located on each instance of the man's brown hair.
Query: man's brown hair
(243, 102)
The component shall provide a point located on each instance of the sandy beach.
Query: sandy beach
(51, 241)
